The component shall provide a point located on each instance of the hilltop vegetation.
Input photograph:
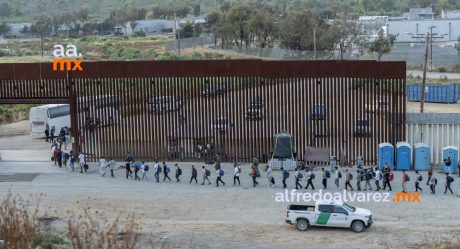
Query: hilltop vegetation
(98, 10)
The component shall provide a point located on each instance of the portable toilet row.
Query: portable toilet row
(421, 156)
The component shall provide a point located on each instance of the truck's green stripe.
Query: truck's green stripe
(323, 218)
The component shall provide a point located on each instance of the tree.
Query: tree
(382, 44)
(196, 10)
(343, 35)
(42, 27)
(224, 31)
(238, 17)
(297, 30)
(4, 28)
(189, 30)
(5, 10)
(133, 26)
(261, 24)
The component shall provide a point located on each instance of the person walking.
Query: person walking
(418, 179)
(102, 166)
(253, 174)
(324, 175)
(194, 175)
(59, 158)
(157, 168)
(47, 133)
(368, 179)
(236, 174)
(449, 180)
(72, 160)
(128, 170)
(129, 157)
(166, 170)
(433, 183)
(219, 175)
(271, 179)
(387, 177)
(137, 167)
(430, 174)
(348, 178)
(378, 178)
(284, 175)
(178, 172)
(359, 178)
(404, 181)
(310, 177)
(82, 161)
(65, 158)
(206, 173)
(145, 169)
(298, 175)
(112, 167)
(338, 175)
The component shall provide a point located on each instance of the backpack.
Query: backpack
(407, 178)
(285, 174)
(340, 175)
(391, 176)
(420, 178)
(351, 177)
(435, 181)
(168, 169)
(328, 174)
(179, 171)
(159, 170)
(451, 179)
(312, 176)
(208, 173)
(300, 175)
(221, 172)
(239, 169)
(146, 168)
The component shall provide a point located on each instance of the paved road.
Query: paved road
(434, 75)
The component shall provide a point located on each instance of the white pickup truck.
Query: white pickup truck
(329, 214)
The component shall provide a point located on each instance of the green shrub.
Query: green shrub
(139, 33)
(442, 69)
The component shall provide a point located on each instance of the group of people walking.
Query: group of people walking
(364, 178)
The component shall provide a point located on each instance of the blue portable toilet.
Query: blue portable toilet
(421, 156)
(403, 154)
(386, 155)
(452, 152)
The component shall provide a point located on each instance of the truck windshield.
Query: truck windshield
(348, 207)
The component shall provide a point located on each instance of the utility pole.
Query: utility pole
(431, 46)
(422, 101)
(314, 43)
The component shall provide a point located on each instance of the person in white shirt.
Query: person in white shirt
(378, 178)
(271, 180)
(82, 161)
(219, 175)
(157, 168)
(337, 177)
(236, 174)
(205, 176)
(102, 166)
(112, 167)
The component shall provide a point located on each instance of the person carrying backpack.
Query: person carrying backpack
(310, 177)
(82, 162)
(137, 166)
(378, 178)
(404, 181)
(368, 179)
(178, 172)
(194, 175)
(298, 175)
(236, 174)
(219, 175)
(348, 178)
(359, 178)
(386, 180)
(324, 175)
(206, 173)
(449, 180)
(418, 179)
(166, 170)
(72, 160)
(284, 175)
(253, 174)
(157, 168)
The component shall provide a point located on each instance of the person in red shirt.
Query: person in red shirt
(404, 180)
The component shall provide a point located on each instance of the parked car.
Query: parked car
(222, 123)
(214, 90)
(362, 127)
(379, 107)
(327, 213)
(255, 111)
(164, 104)
(318, 112)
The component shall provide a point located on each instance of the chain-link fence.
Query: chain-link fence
(413, 53)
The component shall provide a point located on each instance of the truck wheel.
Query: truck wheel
(302, 225)
(358, 226)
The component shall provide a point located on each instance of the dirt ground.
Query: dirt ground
(184, 215)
